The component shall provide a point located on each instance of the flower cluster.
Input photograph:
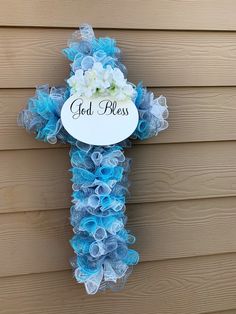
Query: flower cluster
(98, 217)
(98, 80)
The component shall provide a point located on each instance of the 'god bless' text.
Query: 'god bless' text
(104, 107)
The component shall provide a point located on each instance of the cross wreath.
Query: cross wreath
(101, 242)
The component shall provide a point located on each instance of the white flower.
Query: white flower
(101, 81)
(118, 78)
(128, 90)
(98, 67)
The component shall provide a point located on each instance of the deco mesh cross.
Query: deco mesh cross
(101, 243)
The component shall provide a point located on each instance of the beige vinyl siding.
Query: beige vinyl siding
(182, 206)
(135, 14)
(158, 58)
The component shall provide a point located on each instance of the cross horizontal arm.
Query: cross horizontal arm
(152, 114)
(42, 115)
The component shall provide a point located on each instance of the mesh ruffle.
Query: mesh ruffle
(153, 113)
(84, 50)
(100, 184)
(42, 115)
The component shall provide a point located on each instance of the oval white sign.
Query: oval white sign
(99, 120)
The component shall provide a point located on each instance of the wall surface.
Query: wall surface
(183, 203)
